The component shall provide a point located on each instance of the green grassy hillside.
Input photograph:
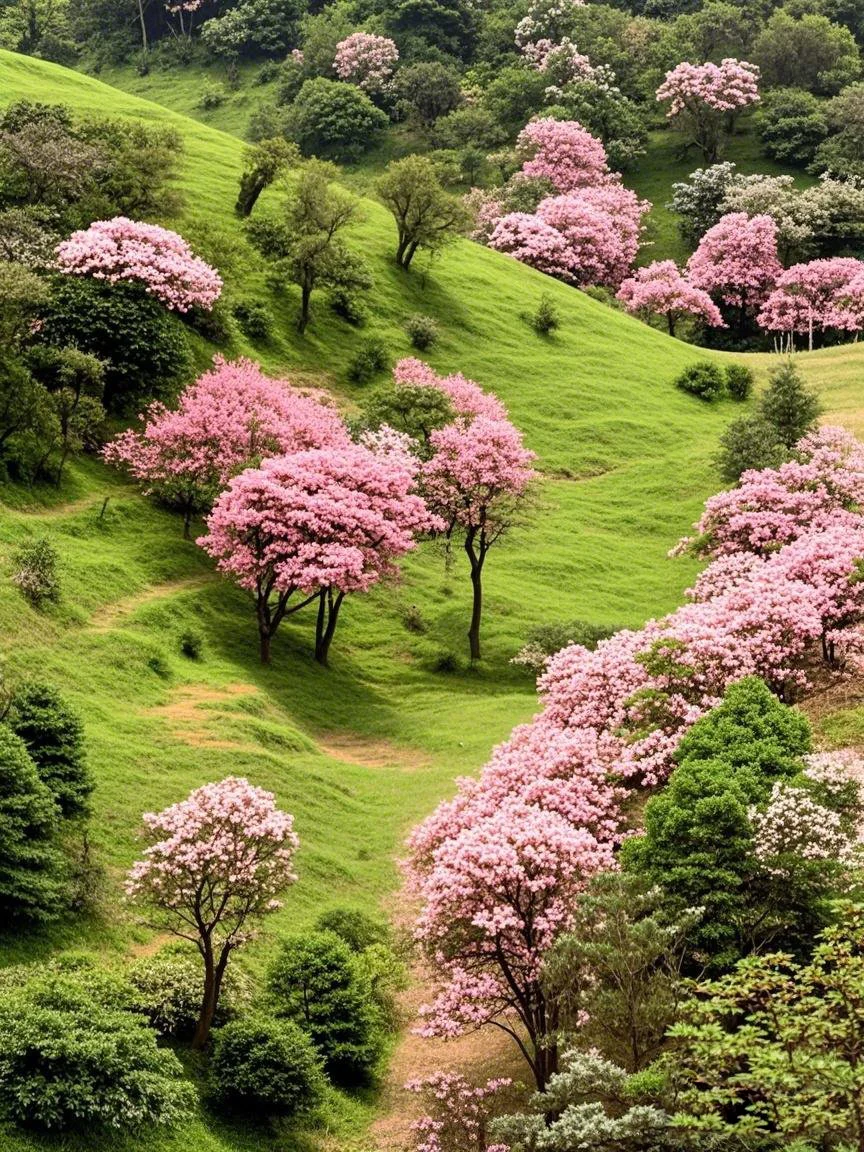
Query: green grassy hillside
(363, 750)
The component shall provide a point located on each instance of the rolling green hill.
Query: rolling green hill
(360, 752)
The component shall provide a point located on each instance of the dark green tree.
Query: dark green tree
(53, 734)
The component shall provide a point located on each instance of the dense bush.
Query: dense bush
(265, 1065)
(54, 737)
(372, 358)
(739, 381)
(546, 319)
(314, 981)
(788, 405)
(545, 640)
(430, 89)
(703, 379)
(255, 319)
(329, 118)
(748, 443)
(356, 928)
(144, 348)
(792, 124)
(74, 1058)
(167, 989)
(422, 331)
(34, 572)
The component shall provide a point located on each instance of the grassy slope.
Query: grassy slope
(362, 751)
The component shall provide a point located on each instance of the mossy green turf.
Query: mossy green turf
(363, 750)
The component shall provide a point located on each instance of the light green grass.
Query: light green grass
(362, 751)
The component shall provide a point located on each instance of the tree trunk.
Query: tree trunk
(401, 248)
(325, 625)
(476, 559)
(144, 45)
(187, 522)
(265, 631)
(305, 294)
(208, 1000)
(409, 255)
(670, 323)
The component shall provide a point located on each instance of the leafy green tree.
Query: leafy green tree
(788, 405)
(266, 1065)
(333, 119)
(792, 124)
(426, 216)
(450, 26)
(23, 296)
(32, 881)
(264, 162)
(808, 52)
(748, 443)
(431, 89)
(842, 153)
(53, 735)
(314, 981)
(414, 411)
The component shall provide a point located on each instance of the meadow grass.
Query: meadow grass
(363, 750)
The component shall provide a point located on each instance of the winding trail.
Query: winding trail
(113, 615)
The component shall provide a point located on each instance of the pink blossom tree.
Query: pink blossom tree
(128, 250)
(466, 397)
(527, 238)
(229, 419)
(736, 262)
(564, 153)
(366, 60)
(809, 298)
(476, 481)
(458, 1115)
(704, 99)
(659, 289)
(321, 523)
(215, 864)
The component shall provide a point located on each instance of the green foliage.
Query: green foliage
(704, 379)
(426, 216)
(544, 640)
(808, 52)
(143, 347)
(842, 153)
(74, 1058)
(34, 572)
(332, 119)
(788, 405)
(792, 124)
(254, 28)
(546, 319)
(32, 880)
(255, 319)
(739, 381)
(373, 357)
(769, 1054)
(167, 988)
(357, 929)
(415, 411)
(265, 1065)
(422, 331)
(265, 161)
(314, 981)
(192, 644)
(212, 96)
(54, 737)
(430, 90)
(748, 443)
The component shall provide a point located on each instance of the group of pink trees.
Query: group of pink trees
(814, 298)
(588, 230)
(123, 250)
(497, 868)
(704, 99)
(301, 514)
(661, 290)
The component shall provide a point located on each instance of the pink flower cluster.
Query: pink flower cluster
(725, 87)
(792, 827)
(659, 289)
(128, 250)
(816, 296)
(226, 850)
(562, 152)
(459, 1113)
(230, 418)
(366, 60)
(468, 399)
(564, 60)
(736, 261)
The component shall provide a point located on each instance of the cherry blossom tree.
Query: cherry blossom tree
(705, 98)
(458, 1113)
(527, 238)
(659, 289)
(810, 298)
(562, 152)
(130, 251)
(736, 262)
(229, 419)
(476, 481)
(466, 397)
(320, 523)
(366, 60)
(215, 864)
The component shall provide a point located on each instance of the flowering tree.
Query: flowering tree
(458, 1116)
(476, 482)
(128, 250)
(466, 397)
(321, 523)
(366, 60)
(736, 262)
(810, 298)
(216, 863)
(527, 238)
(705, 98)
(659, 289)
(562, 152)
(230, 418)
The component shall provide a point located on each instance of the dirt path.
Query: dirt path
(111, 615)
(368, 753)
(195, 711)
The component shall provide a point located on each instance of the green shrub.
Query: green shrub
(192, 644)
(348, 302)
(356, 928)
(546, 318)
(373, 358)
(739, 381)
(34, 572)
(268, 1065)
(332, 119)
(73, 1058)
(314, 982)
(422, 331)
(167, 989)
(703, 379)
(255, 319)
(547, 639)
(789, 405)
(54, 737)
(749, 443)
(32, 870)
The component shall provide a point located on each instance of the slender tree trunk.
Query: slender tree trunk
(409, 255)
(265, 631)
(144, 44)
(305, 294)
(209, 998)
(401, 248)
(476, 558)
(670, 323)
(187, 522)
(325, 626)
